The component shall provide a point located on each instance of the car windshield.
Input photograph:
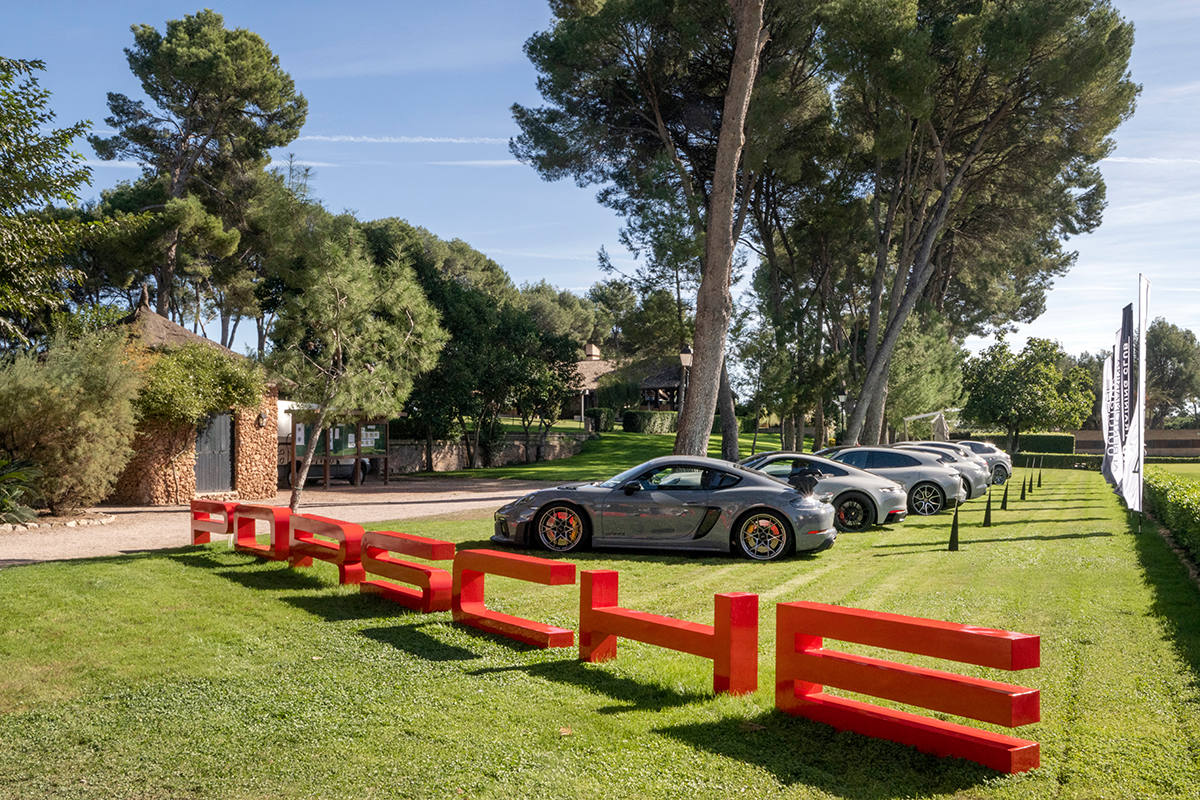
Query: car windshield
(622, 478)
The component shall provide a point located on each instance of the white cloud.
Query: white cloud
(1158, 160)
(485, 162)
(405, 139)
(117, 164)
(301, 163)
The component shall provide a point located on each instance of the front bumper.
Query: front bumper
(816, 541)
(895, 516)
(509, 530)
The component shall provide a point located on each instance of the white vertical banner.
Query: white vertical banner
(1111, 465)
(1133, 492)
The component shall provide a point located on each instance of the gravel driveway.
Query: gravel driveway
(159, 527)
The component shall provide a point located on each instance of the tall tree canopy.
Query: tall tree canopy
(219, 100)
(37, 169)
(1172, 370)
(1026, 390)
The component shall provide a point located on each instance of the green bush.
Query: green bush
(70, 414)
(189, 383)
(1175, 501)
(603, 419)
(649, 421)
(745, 423)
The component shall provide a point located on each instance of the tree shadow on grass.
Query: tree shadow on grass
(842, 764)
(967, 539)
(273, 580)
(411, 639)
(1176, 597)
(633, 695)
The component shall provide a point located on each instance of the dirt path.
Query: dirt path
(159, 527)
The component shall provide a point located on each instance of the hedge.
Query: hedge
(603, 419)
(1175, 501)
(745, 423)
(649, 421)
(1086, 460)
(1032, 442)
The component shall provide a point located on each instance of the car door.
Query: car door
(894, 465)
(668, 504)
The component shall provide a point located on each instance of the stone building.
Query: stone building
(231, 456)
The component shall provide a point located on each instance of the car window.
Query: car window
(716, 479)
(855, 458)
(885, 459)
(778, 469)
(826, 469)
(674, 477)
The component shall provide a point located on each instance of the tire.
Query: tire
(763, 535)
(999, 475)
(853, 513)
(926, 499)
(562, 528)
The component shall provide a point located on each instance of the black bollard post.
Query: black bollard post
(1040, 460)
(987, 511)
(1004, 500)
(1031, 484)
(1022, 487)
(954, 531)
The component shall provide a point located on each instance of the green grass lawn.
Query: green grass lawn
(610, 453)
(201, 673)
(1187, 470)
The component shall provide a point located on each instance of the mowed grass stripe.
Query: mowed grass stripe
(207, 674)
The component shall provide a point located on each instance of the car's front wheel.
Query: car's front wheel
(999, 474)
(853, 513)
(764, 536)
(561, 528)
(926, 499)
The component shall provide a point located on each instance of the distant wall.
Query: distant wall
(162, 471)
(408, 455)
(1158, 442)
(255, 449)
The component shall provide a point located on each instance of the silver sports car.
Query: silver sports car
(860, 499)
(931, 485)
(673, 503)
(997, 460)
(973, 469)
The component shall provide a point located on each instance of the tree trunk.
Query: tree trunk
(819, 427)
(302, 476)
(800, 435)
(713, 301)
(729, 421)
(428, 449)
(787, 432)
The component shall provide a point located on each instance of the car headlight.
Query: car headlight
(806, 501)
(892, 490)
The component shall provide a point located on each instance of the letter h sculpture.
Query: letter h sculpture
(731, 643)
(804, 666)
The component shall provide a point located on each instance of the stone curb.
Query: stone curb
(103, 519)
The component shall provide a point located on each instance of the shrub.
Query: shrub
(189, 383)
(70, 414)
(1031, 442)
(649, 421)
(1175, 501)
(1028, 460)
(745, 423)
(603, 419)
(17, 483)
(617, 392)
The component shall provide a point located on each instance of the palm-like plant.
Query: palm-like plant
(17, 483)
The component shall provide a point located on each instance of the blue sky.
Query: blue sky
(409, 117)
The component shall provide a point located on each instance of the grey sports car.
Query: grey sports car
(997, 460)
(673, 503)
(860, 499)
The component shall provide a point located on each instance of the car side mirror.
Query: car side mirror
(631, 487)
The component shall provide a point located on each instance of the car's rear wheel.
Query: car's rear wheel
(763, 535)
(853, 513)
(561, 528)
(926, 499)
(999, 474)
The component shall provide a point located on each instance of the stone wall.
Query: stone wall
(408, 455)
(255, 449)
(162, 470)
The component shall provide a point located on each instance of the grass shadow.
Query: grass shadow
(411, 639)
(341, 607)
(633, 695)
(1176, 597)
(1046, 538)
(840, 764)
(273, 580)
